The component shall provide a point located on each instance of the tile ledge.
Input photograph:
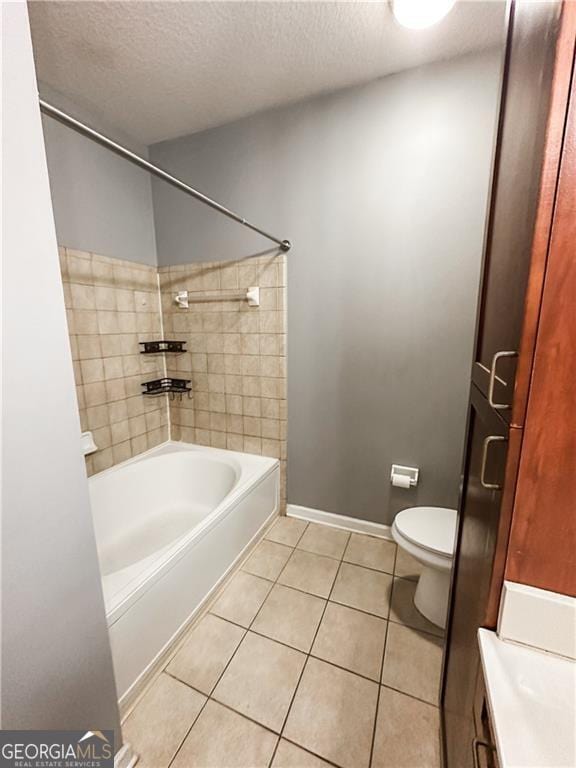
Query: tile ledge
(538, 619)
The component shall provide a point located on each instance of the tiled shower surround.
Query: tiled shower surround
(112, 305)
(236, 354)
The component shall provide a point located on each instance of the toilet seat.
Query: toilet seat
(431, 528)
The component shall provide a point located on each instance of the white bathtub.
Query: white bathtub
(169, 525)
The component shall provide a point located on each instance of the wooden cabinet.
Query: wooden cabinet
(542, 548)
(517, 512)
(518, 175)
(484, 477)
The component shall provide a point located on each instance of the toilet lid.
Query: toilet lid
(433, 528)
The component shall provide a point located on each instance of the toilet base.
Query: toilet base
(431, 597)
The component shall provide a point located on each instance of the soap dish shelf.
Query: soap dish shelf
(167, 385)
(158, 347)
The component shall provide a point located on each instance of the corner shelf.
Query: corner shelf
(167, 385)
(158, 347)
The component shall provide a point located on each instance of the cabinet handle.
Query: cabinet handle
(480, 743)
(487, 441)
(497, 356)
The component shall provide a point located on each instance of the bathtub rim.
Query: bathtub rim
(178, 446)
(260, 468)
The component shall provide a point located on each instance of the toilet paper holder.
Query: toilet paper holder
(399, 474)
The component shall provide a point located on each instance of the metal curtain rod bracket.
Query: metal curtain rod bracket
(141, 162)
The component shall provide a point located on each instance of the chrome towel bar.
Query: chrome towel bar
(251, 295)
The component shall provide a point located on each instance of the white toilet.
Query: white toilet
(428, 534)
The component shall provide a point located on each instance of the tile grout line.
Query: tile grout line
(334, 602)
(294, 648)
(208, 698)
(189, 729)
(351, 562)
(308, 654)
(164, 361)
(387, 627)
(260, 725)
(375, 724)
(205, 611)
(310, 752)
(410, 695)
(327, 600)
(246, 630)
(275, 582)
(213, 688)
(347, 605)
(305, 659)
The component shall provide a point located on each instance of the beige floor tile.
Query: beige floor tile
(161, 720)
(267, 560)
(287, 530)
(242, 598)
(323, 540)
(371, 552)
(260, 680)
(290, 756)
(362, 588)
(403, 610)
(290, 616)
(407, 733)
(333, 714)
(407, 566)
(412, 662)
(310, 573)
(223, 739)
(204, 655)
(352, 640)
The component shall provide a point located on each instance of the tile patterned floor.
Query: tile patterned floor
(312, 656)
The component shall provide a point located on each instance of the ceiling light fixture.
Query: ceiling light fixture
(418, 14)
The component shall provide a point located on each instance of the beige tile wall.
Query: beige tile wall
(236, 356)
(111, 305)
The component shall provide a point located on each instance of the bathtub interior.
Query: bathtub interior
(146, 508)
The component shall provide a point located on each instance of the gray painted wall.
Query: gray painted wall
(382, 189)
(56, 663)
(102, 203)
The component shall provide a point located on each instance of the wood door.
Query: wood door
(521, 150)
(542, 550)
(478, 522)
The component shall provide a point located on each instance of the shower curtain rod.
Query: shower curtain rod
(85, 130)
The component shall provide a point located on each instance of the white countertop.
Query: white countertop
(532, 701)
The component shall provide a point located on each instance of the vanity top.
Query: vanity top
(532, 702)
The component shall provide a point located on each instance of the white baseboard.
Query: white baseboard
(125, 757)
(339, 521)
(536, 617)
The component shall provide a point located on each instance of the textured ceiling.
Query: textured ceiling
(158, 70)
